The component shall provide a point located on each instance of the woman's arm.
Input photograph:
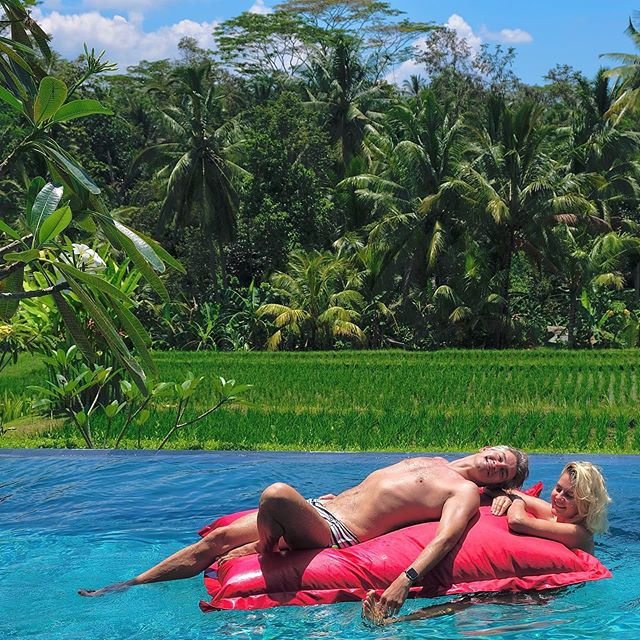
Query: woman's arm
(574, 536)
(502, 500)
(535, 506)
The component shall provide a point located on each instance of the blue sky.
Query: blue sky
(544, 32)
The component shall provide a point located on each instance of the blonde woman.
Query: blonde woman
(578, 508)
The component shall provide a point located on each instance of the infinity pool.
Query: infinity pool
(73, 519)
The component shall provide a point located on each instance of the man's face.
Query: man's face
(494, 466)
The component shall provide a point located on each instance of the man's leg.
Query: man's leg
(284, 513)
(194, 559)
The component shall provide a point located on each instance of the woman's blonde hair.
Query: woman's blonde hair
(592, 499)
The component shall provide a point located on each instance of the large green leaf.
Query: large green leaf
(105, 325)
(93, 281)
(80, 109)
(138, 335)
(45, 204)
(55, 224)
(10, 99)
(162, 253)
(22, 256)
(75, 329)
(35, 186)
(51, 96)
(5, 228)
(65, 165)
(119, 239)
(142, 246)
(11, 284)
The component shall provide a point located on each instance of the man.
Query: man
(411, 491)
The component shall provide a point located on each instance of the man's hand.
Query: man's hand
(394, 596)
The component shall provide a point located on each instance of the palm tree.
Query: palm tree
(470, 305)
(600, 148)
(318, 306)
(515, 188)
(587, 263)
(628, 98)
(407, 188)
(199, 157)
(341, 86)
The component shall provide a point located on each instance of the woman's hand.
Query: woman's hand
(500, 504)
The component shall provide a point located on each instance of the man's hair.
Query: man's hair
(522, 466)
(592, 499)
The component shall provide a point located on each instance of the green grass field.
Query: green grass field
(392, 400)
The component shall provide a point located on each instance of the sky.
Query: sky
(543, 32)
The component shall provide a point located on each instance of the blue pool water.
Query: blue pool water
(83, 519)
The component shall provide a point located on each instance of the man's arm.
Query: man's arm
(456, 513)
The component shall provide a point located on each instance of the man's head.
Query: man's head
(501, 466)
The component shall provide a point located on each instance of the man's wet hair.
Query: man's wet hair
(522, 466)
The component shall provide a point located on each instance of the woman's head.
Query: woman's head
(580, 495)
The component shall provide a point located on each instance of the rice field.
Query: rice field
(539, 400)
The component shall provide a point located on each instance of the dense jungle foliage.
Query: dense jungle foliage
(316, 205)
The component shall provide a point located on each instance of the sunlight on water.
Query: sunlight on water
(75, 519)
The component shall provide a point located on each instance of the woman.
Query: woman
(578, 510)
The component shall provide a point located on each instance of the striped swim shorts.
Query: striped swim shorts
(341, 537)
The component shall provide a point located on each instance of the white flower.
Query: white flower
(85, 259)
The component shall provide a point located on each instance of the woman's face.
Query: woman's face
(563, 500)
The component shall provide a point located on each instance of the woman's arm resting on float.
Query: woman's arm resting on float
(535, 506)
(573, 536)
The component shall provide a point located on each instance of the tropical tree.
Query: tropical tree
(38, 257)
(199, 157)
(588, 263)
(341, 86)
(412, 162)
(513, 184)
(600, 147)
(470, 306)
(317, 306)
(628, 99)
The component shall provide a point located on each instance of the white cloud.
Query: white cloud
(474, 40)
(258, 7)
(509, 36)
(124, 40)
(463, 30)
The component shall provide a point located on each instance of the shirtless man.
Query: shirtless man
(411, 491)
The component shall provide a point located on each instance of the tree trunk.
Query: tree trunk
(223, 264)
(503, 334)
(213, 266)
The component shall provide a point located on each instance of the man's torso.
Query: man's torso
(411, 491)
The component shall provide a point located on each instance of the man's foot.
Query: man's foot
(112, 588)
(372, 613)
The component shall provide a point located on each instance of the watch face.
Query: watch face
(412, 574)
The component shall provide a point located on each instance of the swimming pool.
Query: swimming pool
(72, 519)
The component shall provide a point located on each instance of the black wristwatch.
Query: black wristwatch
(412, 574)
